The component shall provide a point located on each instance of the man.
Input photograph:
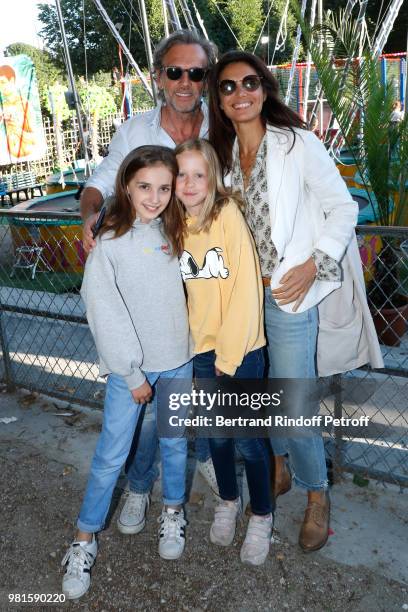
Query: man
(181, 63)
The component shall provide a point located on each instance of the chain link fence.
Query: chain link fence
(379, 450)
(47, 346)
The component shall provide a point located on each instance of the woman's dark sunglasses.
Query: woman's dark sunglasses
(251, 82)
(174, 73)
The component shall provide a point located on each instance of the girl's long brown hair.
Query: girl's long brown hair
(274, 111)
(121, 214)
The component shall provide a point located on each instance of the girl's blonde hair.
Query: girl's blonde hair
(217, 195)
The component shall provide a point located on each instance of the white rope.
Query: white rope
(308, 63)
(132, 21)
(282, 32)
(263, 26)
(88, 108)
(295, 56)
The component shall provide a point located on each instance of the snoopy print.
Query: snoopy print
(213, 266)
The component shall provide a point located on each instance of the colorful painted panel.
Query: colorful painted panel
(21, 130)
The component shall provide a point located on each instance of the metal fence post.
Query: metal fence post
(8, 371)
(338, 431)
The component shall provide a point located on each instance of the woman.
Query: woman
(302, 218)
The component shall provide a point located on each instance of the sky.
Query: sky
(19, 23)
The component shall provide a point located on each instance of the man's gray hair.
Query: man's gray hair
(184, 37)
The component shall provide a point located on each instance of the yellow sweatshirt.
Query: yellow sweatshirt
(224, 288)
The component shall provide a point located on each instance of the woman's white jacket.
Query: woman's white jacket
(311, 208)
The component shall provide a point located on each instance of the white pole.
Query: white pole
(73, 87)
(148, 47)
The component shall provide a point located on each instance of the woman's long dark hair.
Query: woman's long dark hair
(274, 111)
(121, 214)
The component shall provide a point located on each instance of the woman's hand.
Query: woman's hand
(295, 284)
(87, 236)
(143, 394)
(218, 372)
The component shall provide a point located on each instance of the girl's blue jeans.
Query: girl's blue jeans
(292, 342)
(120, 418)
(253, 450)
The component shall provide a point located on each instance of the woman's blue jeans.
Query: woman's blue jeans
(253, 450)
(292, 342)
(120, 418)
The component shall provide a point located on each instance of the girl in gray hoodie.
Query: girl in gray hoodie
(137, 314)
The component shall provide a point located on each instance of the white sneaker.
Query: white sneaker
(255, 548)
(172, 533)
(78, 561)
(132, 518)
(206, 469)
(222, 530)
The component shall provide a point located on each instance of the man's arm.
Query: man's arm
(91, 202)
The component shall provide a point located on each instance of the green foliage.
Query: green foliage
(101, 49)
(140, 97)
(246, 19)
(97, 101)
(56, 101)
(215, 26)
(104, 79)
(46, 69)
(155, 19)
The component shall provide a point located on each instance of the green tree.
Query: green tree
(246, 20)
(101, 50)
(244, 17)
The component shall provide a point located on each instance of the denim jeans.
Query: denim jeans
(253, 450)
(292, 342)
(120, 418)
(141, 469)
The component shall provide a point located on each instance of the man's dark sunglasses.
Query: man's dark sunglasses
(251, 82)
(174, 73)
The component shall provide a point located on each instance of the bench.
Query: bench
(18, 182)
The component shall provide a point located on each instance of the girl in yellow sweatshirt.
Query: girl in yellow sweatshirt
(220, 268)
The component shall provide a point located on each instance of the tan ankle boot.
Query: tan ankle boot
(315, 528)
(282, 482)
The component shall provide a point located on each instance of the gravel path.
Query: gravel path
(40, 499)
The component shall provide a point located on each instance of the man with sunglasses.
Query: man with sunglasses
(181, 62)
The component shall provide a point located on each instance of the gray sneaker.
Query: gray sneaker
(222, 530)
(255, 548)
(132, 518)
(78, 561)
(172, 536)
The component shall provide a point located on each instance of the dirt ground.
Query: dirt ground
(40, 498)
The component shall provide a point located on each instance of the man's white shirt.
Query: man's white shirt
(142, 129)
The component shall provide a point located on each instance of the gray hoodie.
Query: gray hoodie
(135, 304)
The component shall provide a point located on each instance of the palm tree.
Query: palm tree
(362, 105)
